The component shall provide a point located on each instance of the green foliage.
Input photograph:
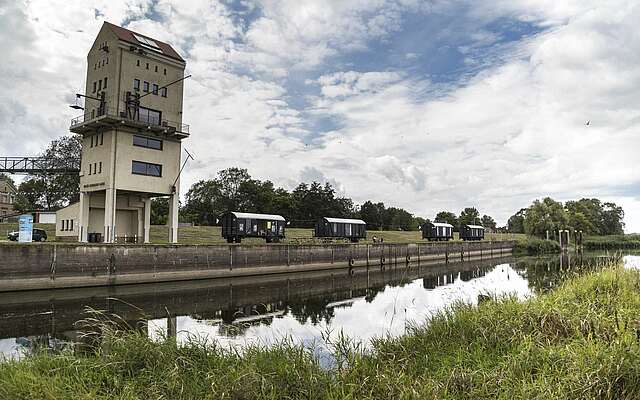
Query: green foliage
(449, 218)
(543, 216)
(469, 216)
(234, 190)
(534, 246)
(612, 242)
(515, 224)
(579, 341)
(159, 211)
(590, 216)
(488, 222)
(52, 191)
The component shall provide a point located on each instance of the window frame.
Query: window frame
(148, 167)
(145, 140)
(136, 84)
(145, 86)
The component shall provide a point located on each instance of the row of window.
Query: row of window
(66, 225)
(95, 168)
(101, 63)
(155, 68)
(97, 140)
(100, 84)
(145, 88)
(145, 168)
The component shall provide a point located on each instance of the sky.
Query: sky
(426, 105)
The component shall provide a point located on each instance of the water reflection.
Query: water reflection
(303, 306)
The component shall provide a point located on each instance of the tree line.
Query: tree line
(234, 189)
(591, 216)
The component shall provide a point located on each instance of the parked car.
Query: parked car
(38, 235)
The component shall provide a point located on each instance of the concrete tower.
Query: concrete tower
(132, 134)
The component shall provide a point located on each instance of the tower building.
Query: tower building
(132, 135)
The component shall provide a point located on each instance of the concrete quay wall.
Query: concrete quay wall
(50, 266)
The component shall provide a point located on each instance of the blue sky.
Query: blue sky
(426, 105)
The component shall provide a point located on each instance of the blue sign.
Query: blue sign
(26, 228)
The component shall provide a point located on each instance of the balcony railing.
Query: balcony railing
(143, 118)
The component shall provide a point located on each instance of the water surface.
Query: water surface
(306, 307)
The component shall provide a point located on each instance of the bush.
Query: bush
(533, 246)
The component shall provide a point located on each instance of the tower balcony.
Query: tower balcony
(108, 118)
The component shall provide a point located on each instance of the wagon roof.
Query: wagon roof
(475, 226)
(444, 224)
(270, 217)
(345, 221)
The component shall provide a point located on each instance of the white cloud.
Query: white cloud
(497, 140)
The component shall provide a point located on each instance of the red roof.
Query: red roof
(127, 36)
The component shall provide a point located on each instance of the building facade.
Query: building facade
(7, 198)
(132, 134)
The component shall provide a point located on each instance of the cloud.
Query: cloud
(423, 105)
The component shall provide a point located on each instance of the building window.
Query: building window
(148, 169)
(136, 84)
(101, 139)
(100, 85)
(105, 83)
(94, 86)
(62, 225)
(165, 71)
(145, 86)
(71, 225)
(156, 68)
(149, 116)
(147, 65)
(138, 63)
(100, 169)
(155, 89)
(163, 92)
(149, 143)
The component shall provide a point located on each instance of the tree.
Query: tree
(515, 224)
(372, 214)
(612, 219)
(30, 195)
(159, 211)
(469, 216)
(546, 215)
(489, 223)
(53, 190)
(447, 217)
(203, 203)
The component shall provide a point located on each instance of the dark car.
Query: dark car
(38, 235)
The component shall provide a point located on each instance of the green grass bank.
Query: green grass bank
(580, 341)
(212, 235)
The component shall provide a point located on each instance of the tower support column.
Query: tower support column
(83, 217)
(173, 217)
(110, 215)
(147, 219)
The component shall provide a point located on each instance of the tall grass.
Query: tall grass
(533, 246)
(580, 341)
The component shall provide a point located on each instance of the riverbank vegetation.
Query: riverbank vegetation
(533, 246)
(579, 341)
(612, 242)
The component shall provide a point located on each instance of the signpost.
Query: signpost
(26, 228)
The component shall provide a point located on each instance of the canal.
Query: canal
(305, 307)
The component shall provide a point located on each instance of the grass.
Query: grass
(612, 242)
(580, 341)
(212, 235)
(532, 246)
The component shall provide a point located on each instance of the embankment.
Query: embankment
(51, 266)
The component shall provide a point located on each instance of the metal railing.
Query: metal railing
(141, 118)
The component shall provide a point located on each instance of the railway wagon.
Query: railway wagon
(343, 228)
(437, 231)
(471, 232)
(239, 225)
